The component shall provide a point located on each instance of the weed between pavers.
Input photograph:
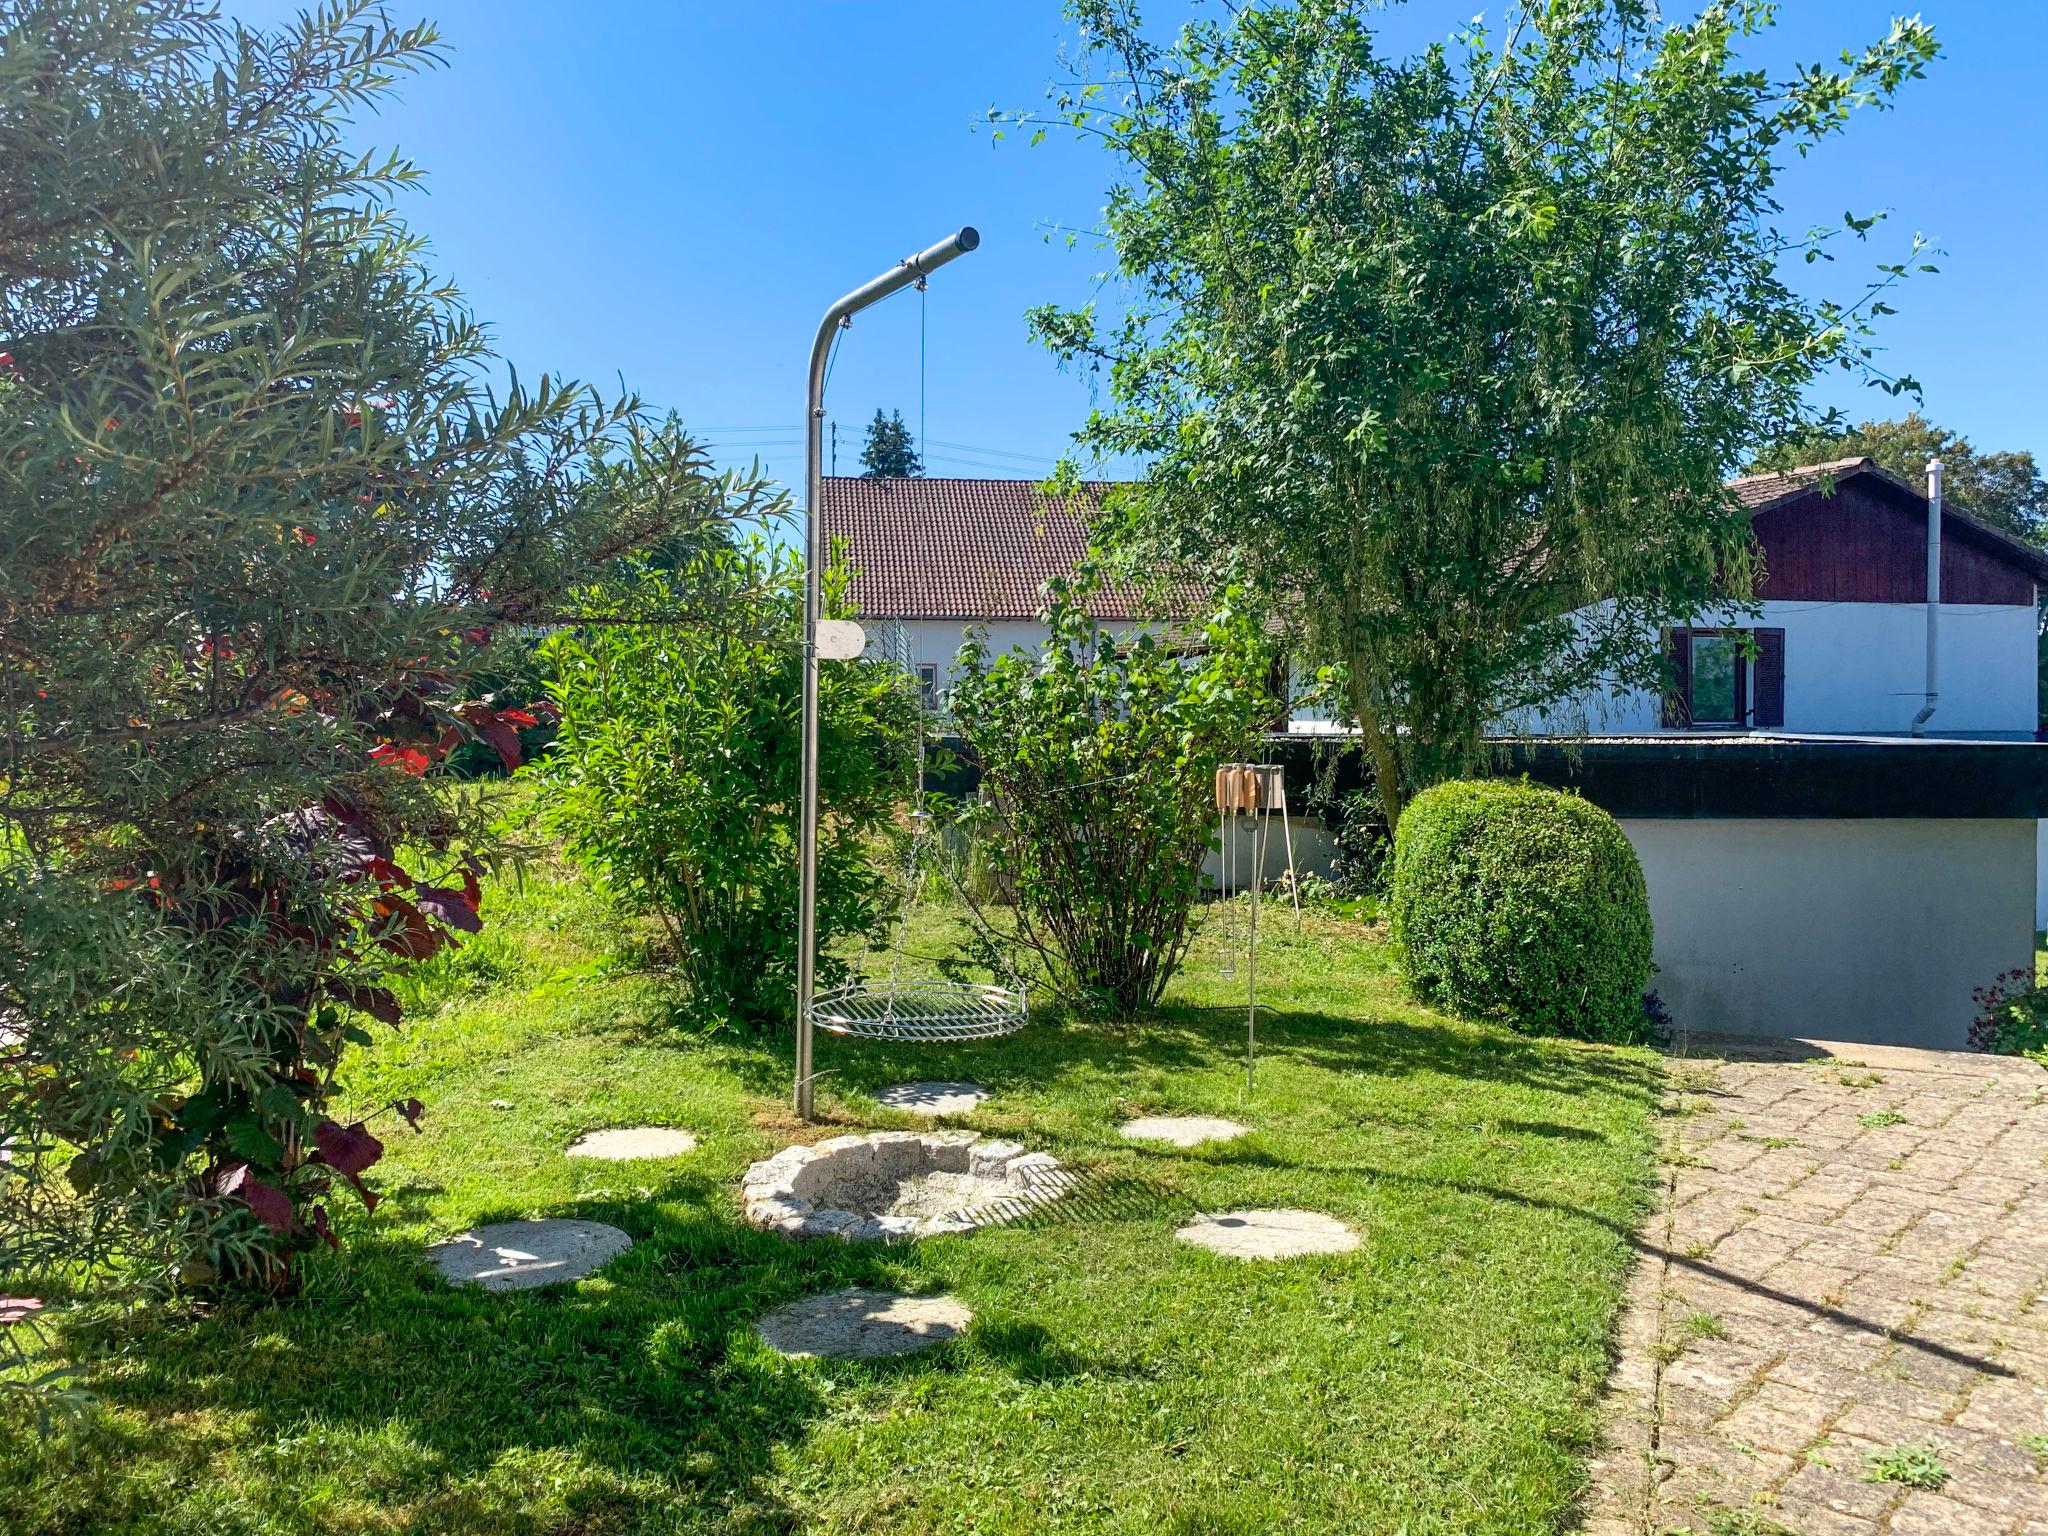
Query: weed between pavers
(1911, 1466)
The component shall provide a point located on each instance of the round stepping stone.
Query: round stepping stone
(628, 1144)
(519, 1255)
(934, 1098)
(1183, 1130)
(1269, 1234)
(854, 1324)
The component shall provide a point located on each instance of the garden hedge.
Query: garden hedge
(1522, 904)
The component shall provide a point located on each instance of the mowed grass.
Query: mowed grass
(1440, 1378)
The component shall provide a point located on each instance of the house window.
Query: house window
(1719, 672)
(928, 685)
(1725, 679)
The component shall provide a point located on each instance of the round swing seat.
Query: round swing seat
(920, 1010)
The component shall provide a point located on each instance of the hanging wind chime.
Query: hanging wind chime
(1259, 791)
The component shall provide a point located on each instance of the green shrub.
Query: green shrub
(674, 772)
(1098, 756)
(1522, 904)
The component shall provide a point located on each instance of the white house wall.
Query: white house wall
(1859, 668)
(1866, 930)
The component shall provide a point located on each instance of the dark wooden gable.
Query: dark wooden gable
(1867, 543)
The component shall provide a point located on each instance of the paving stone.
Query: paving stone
(1282, 1234)
(1865, 1306)
(857, 1324)
(1183, 1130)
(934, 1099)
(632, 1143)
(1931, 1514)
(520, 1255)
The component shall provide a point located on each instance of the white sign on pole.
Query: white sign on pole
(840, 640)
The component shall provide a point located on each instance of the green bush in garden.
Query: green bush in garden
(674, 772)
(1515, 902)
(1098, 755)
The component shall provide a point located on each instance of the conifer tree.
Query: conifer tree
(889, 452)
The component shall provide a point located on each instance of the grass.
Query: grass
(1441, 1378)
(1910, 1466)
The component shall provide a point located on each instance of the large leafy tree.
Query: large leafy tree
(1449, 354)
(265, 524)
(2005, 489)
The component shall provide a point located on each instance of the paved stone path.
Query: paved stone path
(1851, 1257)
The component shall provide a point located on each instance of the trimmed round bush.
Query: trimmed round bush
(1525, 905)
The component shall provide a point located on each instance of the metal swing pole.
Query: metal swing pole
(912, 269)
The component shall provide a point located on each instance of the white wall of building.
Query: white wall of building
(1864, 930)
(1858, 668)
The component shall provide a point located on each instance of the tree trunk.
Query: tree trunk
(1379, 748)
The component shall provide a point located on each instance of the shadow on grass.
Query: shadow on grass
(651, 1373)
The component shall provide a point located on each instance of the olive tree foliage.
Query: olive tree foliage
(1447, 355)
(265, 522)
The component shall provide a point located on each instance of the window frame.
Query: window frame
(1742, 719)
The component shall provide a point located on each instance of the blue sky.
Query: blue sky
(670, 193)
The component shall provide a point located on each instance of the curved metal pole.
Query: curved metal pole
(910, 270)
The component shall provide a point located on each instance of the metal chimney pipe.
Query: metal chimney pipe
(912, 269)
(1933, 592)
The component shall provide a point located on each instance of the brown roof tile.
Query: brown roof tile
(930, 548)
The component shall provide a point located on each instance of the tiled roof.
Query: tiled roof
(1772, 486)
(930, 548)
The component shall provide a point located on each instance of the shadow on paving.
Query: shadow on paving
(1250, 1157)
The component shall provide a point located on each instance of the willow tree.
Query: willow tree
(1448, 354)
(265, 524)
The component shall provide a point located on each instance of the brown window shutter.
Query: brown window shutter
(1678, 689)
(1770, 677)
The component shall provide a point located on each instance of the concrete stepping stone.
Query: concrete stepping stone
(1183, 1130)
(520, 1255)
(626, 1144)
(856, 1324)
(1269, 1234)
(934, 1098)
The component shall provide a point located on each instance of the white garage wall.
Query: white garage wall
(1854, 668)
(1867, 930)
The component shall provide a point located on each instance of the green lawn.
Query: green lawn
(1439, 1379)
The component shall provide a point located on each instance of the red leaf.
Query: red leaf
(412, 1111)
(383, 869)
(495, 731)
(517, 717)
(380, 1003)
(320, 1225)
(411, 935)
(267, 1203)
(451, 907)
(348, 1149)
(404, 759)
